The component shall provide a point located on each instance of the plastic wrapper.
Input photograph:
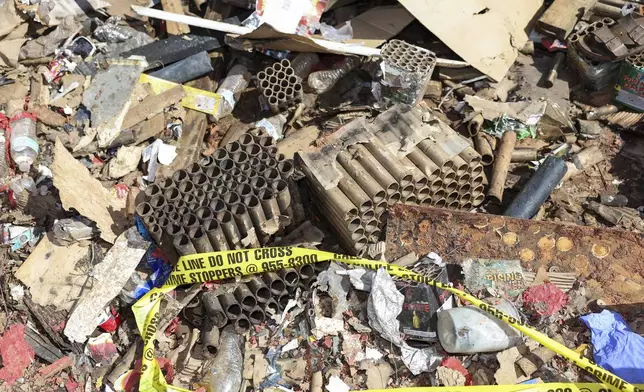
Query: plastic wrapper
(231, 87)
(111, 32)
(303, 64)
(384, 305)
(338, 35)
(593, 74)
(274, 125)
(227, 367)
(323, 81)
(406, 70)
(72, 230)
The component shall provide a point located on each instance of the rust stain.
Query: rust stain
(587, 251)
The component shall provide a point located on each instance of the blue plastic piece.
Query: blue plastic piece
(615, 347)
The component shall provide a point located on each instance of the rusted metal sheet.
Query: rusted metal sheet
(610, 261)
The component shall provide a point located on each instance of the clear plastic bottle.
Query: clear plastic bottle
(469, 330)
(227, 367)
(231, 88)
(323, 81)
(24, 144)
(4, 165)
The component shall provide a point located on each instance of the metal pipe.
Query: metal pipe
(411, 199)
(189, 199)
(215, 235)
(426, 165)
(501, 166)
(366, 182)
(583, 160)
(395, 168)
(174, 229)
(256, 316)
(232, 309)
(269, 203)
(538, 189)
(290, 277)
(261, 292)
(394, 198)
(183, 210)
(225, 219)
(233, 147)
(351, 189)
(225, 164)
(374, 236)
(380, 208)
(375, 169)
(464, 179)
(213, 309)
(440, 194)
(286, 168)
(157, 202)
(475, 124)
(245, 297)
(193, 170)
(282, 299)
(306, 272)
(245, 224)
(258, 183)
(274, 283)
(339, 202)
(452, 197)
(199, 180)
(427, 202)
(407, 191)
(200, 240)
(484, 148)
(271, 307)
(460, 166)
(436, 185)
(186, 187)
(423, 193)
(217, 205)
(189, 221)
(440, 203)
(470, 156)
(476, 170)
(367, 215)
(166, 183)
(183, 245)
(357, 234)
(280, 189)
(180, 176)
(204, 213)
(257, 216)
(144, 209)
(419, 179)
(524, 155)
(241, 324)
(210, 339)
(453, 205)
(451, 186)
(433, 150)
(554, 71)
(153, 190)
(467, 206)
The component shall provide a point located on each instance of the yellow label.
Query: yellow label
(200, 100)
(206, 267)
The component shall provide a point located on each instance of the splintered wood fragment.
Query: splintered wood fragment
(175, 7)
(153, 105)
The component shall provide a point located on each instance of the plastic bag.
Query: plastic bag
(338, 35)
(228, 365)
(615, 347)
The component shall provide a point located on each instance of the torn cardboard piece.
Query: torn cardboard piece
(55, 274)
(485, 33)
(82, 192)
(109, 276)
(378, 24)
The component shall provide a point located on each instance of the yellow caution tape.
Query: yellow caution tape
(196, 99)
(541, 387)
(206, 267)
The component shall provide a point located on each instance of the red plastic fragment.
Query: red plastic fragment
(455, 364)
(16, 354)
(545, 299)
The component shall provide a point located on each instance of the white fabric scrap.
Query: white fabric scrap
(158, 152)
(292, 345)
(337, 385)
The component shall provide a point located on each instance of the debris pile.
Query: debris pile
(236, 195)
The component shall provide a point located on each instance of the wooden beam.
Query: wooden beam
(175, 7)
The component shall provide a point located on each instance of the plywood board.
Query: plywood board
(485, 33)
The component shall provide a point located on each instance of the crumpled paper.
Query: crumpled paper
(384, 306)
(337, 286)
